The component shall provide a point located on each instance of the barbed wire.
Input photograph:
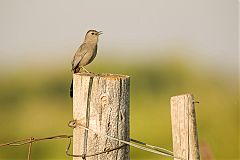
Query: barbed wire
(90, 155)
(32, 140)
(135, 143)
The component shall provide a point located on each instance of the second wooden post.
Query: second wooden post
(184, 128)
(101, 103)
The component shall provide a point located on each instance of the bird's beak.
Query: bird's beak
(100, 32)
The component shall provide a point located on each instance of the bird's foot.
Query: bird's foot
(85, 70)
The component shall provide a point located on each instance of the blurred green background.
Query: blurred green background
(35, 102)
(167, 47)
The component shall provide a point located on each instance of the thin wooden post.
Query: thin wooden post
(101, 103)
(184, 129)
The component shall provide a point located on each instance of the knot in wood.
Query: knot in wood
(104, 100)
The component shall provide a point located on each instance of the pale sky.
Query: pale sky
(43, 29)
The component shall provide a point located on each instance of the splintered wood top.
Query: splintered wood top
(104, 75)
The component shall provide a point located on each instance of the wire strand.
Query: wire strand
(152, 149)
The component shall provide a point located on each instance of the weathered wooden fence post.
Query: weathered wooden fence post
(184, 129)
(101, 103)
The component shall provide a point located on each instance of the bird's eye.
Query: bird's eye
(92, 33)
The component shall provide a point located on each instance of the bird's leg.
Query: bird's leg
(85, 69)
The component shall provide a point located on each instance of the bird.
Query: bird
(85, 53)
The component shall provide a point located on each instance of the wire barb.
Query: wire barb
(196, 102)
(30, 148)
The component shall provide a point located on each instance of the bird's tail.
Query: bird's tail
(71, 89)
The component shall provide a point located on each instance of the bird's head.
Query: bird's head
(92, 36)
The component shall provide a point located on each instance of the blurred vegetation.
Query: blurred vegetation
(35, 102)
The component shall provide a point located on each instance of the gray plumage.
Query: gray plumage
(85, 53)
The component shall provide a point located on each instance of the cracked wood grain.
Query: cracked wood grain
(101, 101)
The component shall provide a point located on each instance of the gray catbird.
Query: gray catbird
(85, 53)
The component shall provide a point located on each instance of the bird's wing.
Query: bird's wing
(82, 50)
